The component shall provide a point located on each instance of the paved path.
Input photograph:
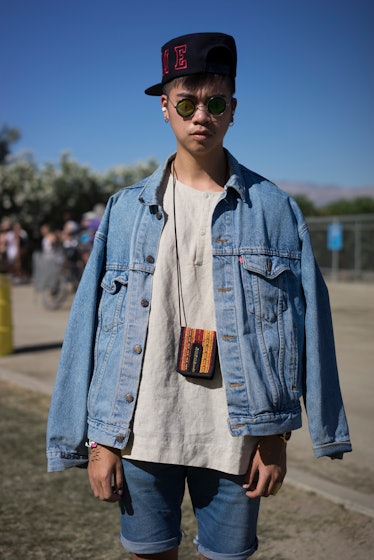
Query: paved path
(38, 334)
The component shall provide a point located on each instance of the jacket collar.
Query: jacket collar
(236, 180)
(149, 194)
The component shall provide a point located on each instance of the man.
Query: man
(201, 320)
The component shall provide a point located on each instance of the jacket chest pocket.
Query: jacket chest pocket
(112, 303)
(265, 285)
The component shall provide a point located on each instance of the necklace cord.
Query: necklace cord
(181, 307)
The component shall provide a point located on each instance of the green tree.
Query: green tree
(70, 188)
(21, 191)
(35, 196)
(359, 205)
(122, 176)
(7, 137)
(306, 205)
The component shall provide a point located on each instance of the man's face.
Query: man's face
(202, 132)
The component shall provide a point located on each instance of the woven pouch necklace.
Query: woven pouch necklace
(197, 350)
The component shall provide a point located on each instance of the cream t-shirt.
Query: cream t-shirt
(181, 420)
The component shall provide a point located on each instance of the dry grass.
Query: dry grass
(51, 516)
(54, 516)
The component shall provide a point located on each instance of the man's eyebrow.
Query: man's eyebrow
(190, 95)
(186, 94)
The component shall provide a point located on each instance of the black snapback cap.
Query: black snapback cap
(197, 53)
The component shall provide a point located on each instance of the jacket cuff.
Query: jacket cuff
(60, 461)
(333, 450)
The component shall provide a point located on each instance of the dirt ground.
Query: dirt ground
(53, 516)
(299, 523)
(353, 317)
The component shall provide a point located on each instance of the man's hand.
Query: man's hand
(267, 468)
(105, 473)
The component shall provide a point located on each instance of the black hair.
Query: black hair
(196, 81)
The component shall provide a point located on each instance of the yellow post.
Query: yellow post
(6, 331)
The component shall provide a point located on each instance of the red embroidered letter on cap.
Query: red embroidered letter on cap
(165, 62)
(180, 61)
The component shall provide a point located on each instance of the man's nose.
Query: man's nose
(201, 113)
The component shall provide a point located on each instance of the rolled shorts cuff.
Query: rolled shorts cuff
(222, 556)
(150, 548)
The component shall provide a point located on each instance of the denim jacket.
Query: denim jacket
(274, 327)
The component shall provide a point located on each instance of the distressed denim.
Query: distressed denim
(274, 327)
(151, 510)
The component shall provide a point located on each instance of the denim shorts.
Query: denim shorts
(151, 510)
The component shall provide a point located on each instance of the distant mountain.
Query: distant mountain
(321, 195)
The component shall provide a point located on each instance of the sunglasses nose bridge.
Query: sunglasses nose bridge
(203, 108)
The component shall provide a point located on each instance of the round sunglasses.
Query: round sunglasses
(216, 106)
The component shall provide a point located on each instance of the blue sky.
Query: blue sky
(74, 72)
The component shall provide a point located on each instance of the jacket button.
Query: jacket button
(119, 439)
(129, 398)
(144, 303)
(150, 259)
(159, 216)
(137, 349)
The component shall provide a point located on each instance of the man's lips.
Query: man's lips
(200, 134)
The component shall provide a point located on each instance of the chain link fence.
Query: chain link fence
(344, 246)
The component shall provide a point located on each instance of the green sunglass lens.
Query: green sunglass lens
(216, 105)
(185, 107)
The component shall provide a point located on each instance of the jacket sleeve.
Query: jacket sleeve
(322, 395)
(67, 420)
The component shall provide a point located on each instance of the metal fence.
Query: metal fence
(344, 246)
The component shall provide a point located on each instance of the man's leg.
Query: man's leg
(168, 555)
(150, 509)
(226, 517)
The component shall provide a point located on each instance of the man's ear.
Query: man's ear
(164, 108)
(234, 104)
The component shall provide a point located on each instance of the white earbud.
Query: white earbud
(163, 109)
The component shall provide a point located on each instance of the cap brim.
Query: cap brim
(154, 90)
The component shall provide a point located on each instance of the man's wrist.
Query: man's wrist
(285, 436)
